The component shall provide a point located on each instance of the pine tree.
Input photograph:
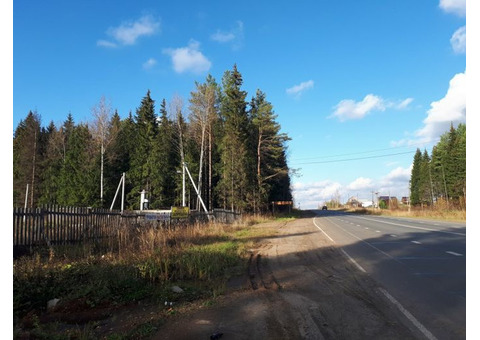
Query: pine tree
(269, 149)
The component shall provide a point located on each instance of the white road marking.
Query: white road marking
(361, 240)
(408, 226)
(377, 231)
(453, 253)
(323, 231)
(408, 315)
(392, 235)
(416, 242)
(353, 261)
(366, 228)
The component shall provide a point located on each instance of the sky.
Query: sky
(357, 85)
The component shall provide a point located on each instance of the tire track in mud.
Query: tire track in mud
(260, 275)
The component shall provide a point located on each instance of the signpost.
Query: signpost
(282, 203)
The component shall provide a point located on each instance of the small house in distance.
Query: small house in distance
(388, 201)
(353, 202)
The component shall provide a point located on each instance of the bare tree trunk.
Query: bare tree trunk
(200, 168)
(210, 198)
(102, 151)
(33, 168)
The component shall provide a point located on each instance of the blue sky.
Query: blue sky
(357, 85)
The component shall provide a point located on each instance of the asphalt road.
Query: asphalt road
(420, 265)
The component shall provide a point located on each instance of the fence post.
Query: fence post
(42, 227)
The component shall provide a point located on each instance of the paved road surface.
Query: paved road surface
(420, 264)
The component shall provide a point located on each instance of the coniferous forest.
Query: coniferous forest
(233, 148)
(441, 176)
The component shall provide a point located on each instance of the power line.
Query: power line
(364, 152)
(356, 159)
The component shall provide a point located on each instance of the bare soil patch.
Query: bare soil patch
(297, 286)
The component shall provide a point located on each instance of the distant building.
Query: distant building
(389, 201)
(405, 200)
(353, 202)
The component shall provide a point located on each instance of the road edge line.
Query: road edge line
(408, 315)
(323, 231)
(353, 261)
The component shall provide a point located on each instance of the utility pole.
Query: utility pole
(196, 190)
(183, 184)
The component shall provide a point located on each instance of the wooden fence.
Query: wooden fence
(55, 225)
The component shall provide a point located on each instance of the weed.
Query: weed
(138, 264)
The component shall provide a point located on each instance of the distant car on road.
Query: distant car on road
(324, 207)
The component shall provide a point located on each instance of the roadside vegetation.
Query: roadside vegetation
(440, 211)
(166, 267)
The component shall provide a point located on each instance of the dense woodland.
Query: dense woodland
(441, 176)
(234, 149)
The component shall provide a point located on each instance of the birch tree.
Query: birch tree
(202, 108)
(100, 127)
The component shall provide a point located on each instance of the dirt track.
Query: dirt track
(297, 287)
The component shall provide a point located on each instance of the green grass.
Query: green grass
(137, 266)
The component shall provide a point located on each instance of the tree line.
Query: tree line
(441, 176)
(234, 149)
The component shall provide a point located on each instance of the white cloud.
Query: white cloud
(223, 37)
(349, 109)
(457, 7)
(459, 40)
(310, 195)
(128, 32)
(149, 63)
(404, 104)
(451, 109)
(234, 36)
(298, 90)
(361, 183)
(396, 182)
(188, 59)
(105, 43)
(397, 175)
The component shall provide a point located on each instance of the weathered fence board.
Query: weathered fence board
(55, 225)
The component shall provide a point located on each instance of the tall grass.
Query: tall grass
(140, 262)
(442, 210)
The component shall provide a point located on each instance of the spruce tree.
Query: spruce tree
(142, 160)
(26, 160)
(79, 174)
(234, 183)
(166, 162)
(415, 179)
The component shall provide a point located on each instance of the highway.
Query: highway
(419, 265)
